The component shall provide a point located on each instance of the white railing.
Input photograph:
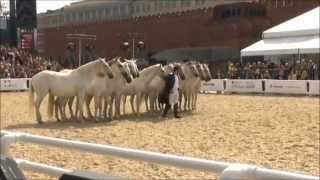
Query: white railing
(228, 170)
(263, 86)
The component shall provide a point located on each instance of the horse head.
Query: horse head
(207, 72)
(180, 70)
(132, 65)
(201, 71)
(192, 68)
(107, 68)
(121, 68)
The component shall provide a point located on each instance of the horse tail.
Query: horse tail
(31, 97)
(50, 105)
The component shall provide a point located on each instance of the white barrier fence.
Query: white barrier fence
(263, 86)
(286, 86)
(266, 86)
(14, 84)
(229, 171)
(314, 87)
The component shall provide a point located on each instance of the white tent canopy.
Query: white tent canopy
(298, 35)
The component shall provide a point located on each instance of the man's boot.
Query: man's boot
(175, 111)
(166, 109)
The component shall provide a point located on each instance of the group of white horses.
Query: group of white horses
(109, 83)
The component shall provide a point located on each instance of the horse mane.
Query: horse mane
(89, 68)
(146, 71)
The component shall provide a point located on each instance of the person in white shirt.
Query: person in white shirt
(171, 93)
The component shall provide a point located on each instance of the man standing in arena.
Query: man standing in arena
(171, 93)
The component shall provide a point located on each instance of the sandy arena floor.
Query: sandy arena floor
(272, 132)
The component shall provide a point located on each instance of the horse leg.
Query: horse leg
(117, 106)
(132, 103)
(39, 99)
(56, 109)
(146, 98)
(138, 103)
(105, 106)
(70, 102)
(195, 100)
(88, 101)
(180, 100)
(62, 107)
(124, 104)
(189, 101)
(81, 98)
(111, 107)
(185, 101)
(96, 106)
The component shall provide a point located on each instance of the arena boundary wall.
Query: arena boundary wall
(228, 171)
(259, 86)
(262, 86)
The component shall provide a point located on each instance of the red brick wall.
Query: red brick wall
(188, 29)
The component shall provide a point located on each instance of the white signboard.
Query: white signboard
(212, 85)
(237, 85)
(13, 84)
(286, 86)
(314, 87)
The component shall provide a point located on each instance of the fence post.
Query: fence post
(239, 172)
(5, 141)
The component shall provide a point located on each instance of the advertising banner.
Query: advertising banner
(286, 86)
(212, 85)
(235, 85)
(13, 84)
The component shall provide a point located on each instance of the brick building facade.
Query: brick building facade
(234, 25)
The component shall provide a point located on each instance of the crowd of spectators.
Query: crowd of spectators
(18, 63)
(299, 70)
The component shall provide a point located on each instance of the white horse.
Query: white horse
(205, 75)
(187, 85)
(157, 85)
(65, 85)
(61, 102)
(139, 86)
(113, 93)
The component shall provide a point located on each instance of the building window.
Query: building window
(174, 4)
(188, 3)
(123, 10)
(87, 16)
(203, 2)
(143, 7)
(138, 8)
(148, 6)
(167, 4)
(156, 5)
(107, 11)
(161, 5)
(238, 12)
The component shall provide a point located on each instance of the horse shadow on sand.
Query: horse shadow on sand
(143, 117)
